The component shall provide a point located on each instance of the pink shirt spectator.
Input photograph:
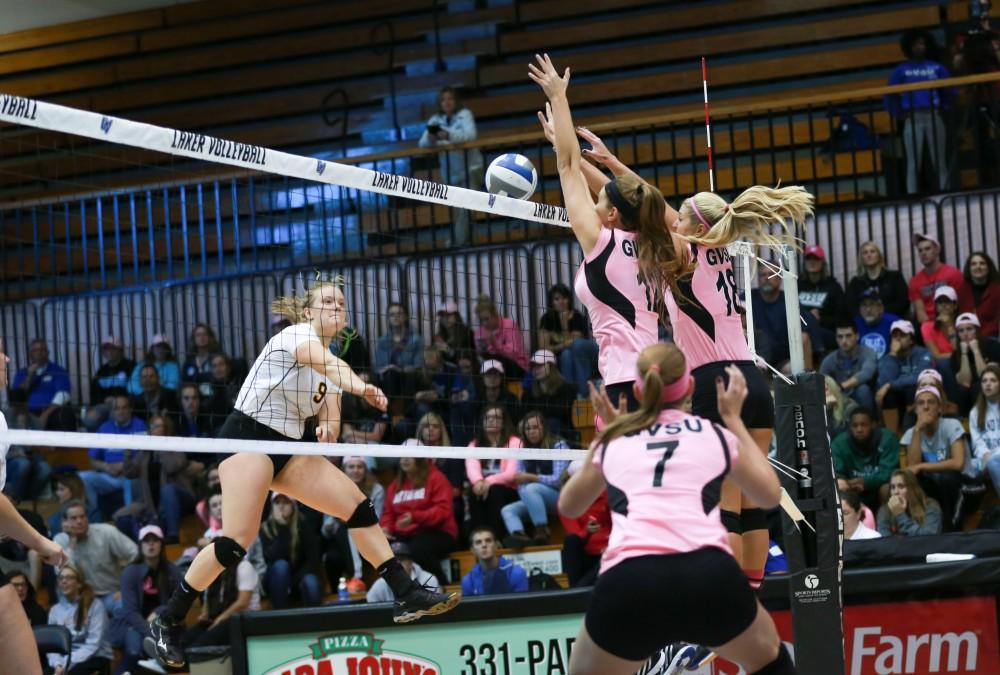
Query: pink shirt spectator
(707, 324)
(620, 307)
(932, 334)
(923, 285)
(663, 487)
(498, 471)
(507, 341)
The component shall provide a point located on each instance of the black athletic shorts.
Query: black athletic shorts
(619, 388)
(243, 427)
(758, 409)
(3, 577)
(644, 603)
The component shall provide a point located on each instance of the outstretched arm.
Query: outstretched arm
(579, 205)
(592, 176)
(311, 353)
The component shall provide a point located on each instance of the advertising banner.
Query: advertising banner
(918, 638)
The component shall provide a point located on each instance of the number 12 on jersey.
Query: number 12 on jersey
(667, 448)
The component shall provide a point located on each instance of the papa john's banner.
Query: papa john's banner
(918, 638)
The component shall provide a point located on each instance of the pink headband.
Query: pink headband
(674, 391)
(701, 218)
(927, 390)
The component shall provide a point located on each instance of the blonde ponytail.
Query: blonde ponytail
(293, 306)
(751, 215)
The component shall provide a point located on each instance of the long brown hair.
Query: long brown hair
(670, 367)
(86, 598)
(751, 214)
(270, 528)
(916, 498)
(659, 264)
(423, 468)
(506, 431)
(981, 401)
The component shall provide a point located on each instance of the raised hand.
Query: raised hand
(547, 126)
(731, 396)
(376, 398)
(598, 151)
(545, 75)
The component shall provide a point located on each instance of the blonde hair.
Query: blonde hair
(750, 215)
(862, 271)
(659, 264)
(671, 366)
(293, 306)
(427, 419)
(843, 401)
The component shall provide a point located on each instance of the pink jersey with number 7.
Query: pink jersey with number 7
(663, 487)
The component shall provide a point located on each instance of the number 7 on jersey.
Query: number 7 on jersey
(668, 448)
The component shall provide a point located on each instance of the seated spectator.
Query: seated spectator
(494, 391)
(232, 592)
(492, 480)
(897, 373)
(908, 511)
(433, 385)
(211, 486)
(69, 488)
(98, 549)
(492, 574)
(16, 556)
(563, 331)
(866, 455)
(219, 394)
(214, 506)
(939, 333)
(110, 380)
(341, 556)
(88, 624)
(932, 276)
(418, 511)
(28, 473)
(361, 422)
(106, 476)
(867, 517)
(500, 338)
(161, 356)
(146, 586)
(398, 353)
(292, 553)
(550, 394)
(974, 352)
(586, 540)
(538, 483)
(380, 591)
(930, 378)
(164, 482)
(452, 336)
(852, 366)
(890, 286)
(431, 431)
(981, 293)
(202, 343)
(854, 529)
(37, 615)
(769, 304)
(874, 323)
(820, 294)
(154, 398)
(490, 389)
(838, 408)
(984, 425)
(350, 346)
(935, 451)
(191, 422)
(45, 388)
(464, 393)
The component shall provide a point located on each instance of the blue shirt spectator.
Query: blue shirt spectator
(45, 384)
(493, 574)
(873, 322)
(401, 348)
(900, 367)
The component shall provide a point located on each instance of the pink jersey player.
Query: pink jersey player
(707, 320)
(663, 487)
(620, 305)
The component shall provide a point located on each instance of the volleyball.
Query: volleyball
(512, 175)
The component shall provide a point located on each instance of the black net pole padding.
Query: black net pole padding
(814, 560)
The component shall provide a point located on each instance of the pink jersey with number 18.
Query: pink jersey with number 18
(707, 320)
(663, 487)
(619, 304)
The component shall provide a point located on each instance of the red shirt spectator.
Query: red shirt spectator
(934, 274)
(595, 542)
(429, 506)
(981, 292)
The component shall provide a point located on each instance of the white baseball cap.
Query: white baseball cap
(967, 319)
(946, 292)
(543, 356)
(901, 325)
(491, 364)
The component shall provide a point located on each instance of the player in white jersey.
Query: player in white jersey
(20, 655)
(295, 377)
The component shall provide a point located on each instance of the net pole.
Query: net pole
(789, 276)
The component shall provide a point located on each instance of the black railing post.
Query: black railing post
(439, 65)
(345, 111)
(390, 67)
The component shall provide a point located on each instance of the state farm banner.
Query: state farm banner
(916, 638)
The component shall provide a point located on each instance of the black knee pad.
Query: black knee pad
(731, 521)
(363, 516)
(228, 552)
(753, 519)
(782, 665)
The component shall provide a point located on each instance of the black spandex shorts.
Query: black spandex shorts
(644, 603)
(758, 409)
(3, 577)
(619, 388)
(245, 428)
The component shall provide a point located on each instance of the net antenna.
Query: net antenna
(708, 125)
